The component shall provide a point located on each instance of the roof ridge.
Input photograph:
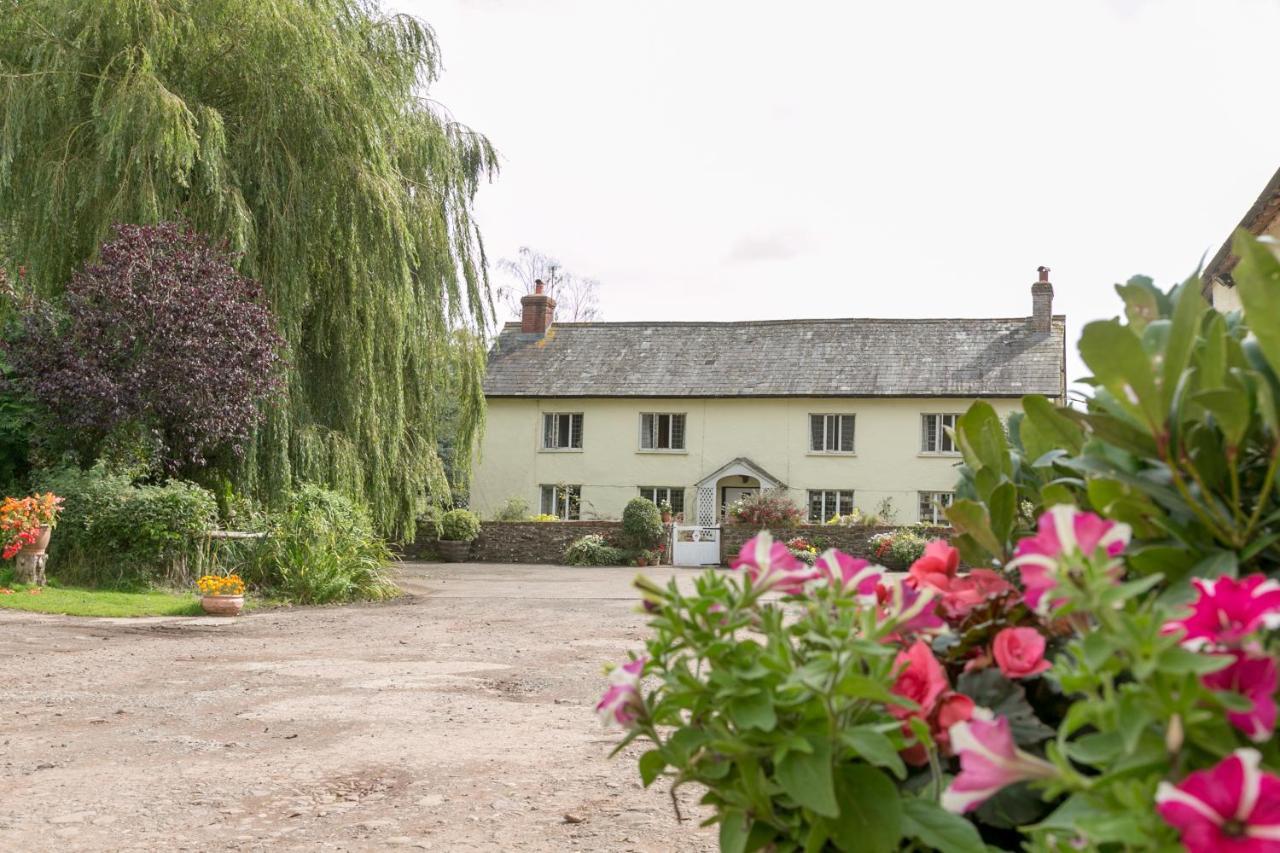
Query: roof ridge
(780, 322)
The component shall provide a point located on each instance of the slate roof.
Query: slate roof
(1256, 219)
(781, 358)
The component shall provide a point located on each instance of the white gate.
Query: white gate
(695, 545)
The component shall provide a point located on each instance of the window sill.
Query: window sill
(661, 452)
(831, 453)
(944, 454)
(560, 450)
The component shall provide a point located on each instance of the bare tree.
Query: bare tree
(576, 297)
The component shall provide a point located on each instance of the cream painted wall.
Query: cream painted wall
(773, 433)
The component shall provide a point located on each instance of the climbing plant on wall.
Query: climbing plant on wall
(299, 132)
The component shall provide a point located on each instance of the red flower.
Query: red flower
(936, 567)
(1019, 652)
(922, 680)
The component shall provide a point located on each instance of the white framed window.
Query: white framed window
(673, 495)
(831, 433)
(825, 503)
(932, 506)
(661, 431)
(564, 502)
(562, 431)
(934, 437)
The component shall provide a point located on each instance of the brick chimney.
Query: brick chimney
(536, 311)
(1042, 303)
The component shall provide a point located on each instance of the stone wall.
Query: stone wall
(854, 541)
(520, 541)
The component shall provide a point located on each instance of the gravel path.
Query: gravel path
(457, 718)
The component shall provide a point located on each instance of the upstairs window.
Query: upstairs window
(562, 431)
(825, 503)
(564, 502)
(932, 505)
(673, 495)
(934, 437)
(831, 433)
(661, 431)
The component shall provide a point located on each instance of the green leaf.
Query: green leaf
(938, 829)
(1179, 661)
(1055, 430)
(652, 763)
(806, 777)
(1003, 510)
(989, 689)
(971, 518)
(870, 819)
(1188, 307)
(753, 712)
(1230, 408)
(875, 747)
(981, 437)
(733, 832)
(1257, 278)
(1118, 361)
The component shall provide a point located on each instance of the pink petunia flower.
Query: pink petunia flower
(989, 761)
(1229, 610)
(1019, 652)
(850, 574)
(920, 679)
(1255, 678)
(1233, 807)
(1063, 534)
(622, 703)
(771, 566)
(910, 610)
(936, 566)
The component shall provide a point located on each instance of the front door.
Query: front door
(733, 494)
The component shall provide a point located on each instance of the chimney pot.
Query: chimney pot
(1042, 302)
(538, 285)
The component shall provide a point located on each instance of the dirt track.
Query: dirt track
(459, 718)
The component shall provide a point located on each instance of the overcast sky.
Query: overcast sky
(730, 159)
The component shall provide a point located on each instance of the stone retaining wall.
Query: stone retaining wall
(854, 541)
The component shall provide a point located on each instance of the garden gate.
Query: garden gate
(695, 545)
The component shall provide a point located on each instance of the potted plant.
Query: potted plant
(664, 507)
(221, 595)
(458, 529)
(27, 523)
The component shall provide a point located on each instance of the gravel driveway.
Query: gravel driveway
(457, 718)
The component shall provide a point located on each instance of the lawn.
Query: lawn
(97, 602)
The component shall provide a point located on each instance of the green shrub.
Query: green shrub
(593, 550)
(429, 523)
(515, 509)
(641, 524)
(900, 548)
(115, 533)
(319, 549)
(459, 525)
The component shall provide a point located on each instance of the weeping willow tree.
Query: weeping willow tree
(299, 131)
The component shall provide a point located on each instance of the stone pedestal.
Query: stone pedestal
(29, 568)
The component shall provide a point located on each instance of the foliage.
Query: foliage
(459, 525)
(900, 547)
(321, 548)
(768, 510)
(641, 525)
(160, 333)
(430, 522)
(302, 134)
(220, 585)
(515, 509)
(593, 550)
(113, 532)
(1181, 438)
(544, 517)
(22, 520)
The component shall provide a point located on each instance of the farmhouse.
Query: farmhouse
(840, 413)
(1262, 219)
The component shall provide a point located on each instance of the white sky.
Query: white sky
(731, 159)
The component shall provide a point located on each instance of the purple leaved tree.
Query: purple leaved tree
(160, 334)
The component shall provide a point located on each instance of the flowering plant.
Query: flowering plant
(220, 585)
(768, 510)
(21, 520)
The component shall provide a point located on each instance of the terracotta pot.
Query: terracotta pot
(39, 546)
(666, 518)
(641, 562)
(454, 551)
(222, 605)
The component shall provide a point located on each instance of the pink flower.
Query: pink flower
(921, 679)
(1229, 610)
(1231, 808)
(621, 703)
(770, 565)
(1254, 678)
(969, 591)
(849, 574)
(911, 610)
(936, 567)
(950, 709)
(1064, 534)
(1019, 652)
(989, 761)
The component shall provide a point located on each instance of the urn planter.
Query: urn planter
(222, 605)
(38, 547)
(454, 551)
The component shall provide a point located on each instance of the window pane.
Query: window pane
(944, 438)
(664, 432)
(928, 433)
(575, 425)
(548, 500)
(926, 506)
(846, 433)
(846, 503)
(573, 499)
(815, 506)
(646, 432)
(677, 500)
(815, 432)
(548, 430)
(677, 432)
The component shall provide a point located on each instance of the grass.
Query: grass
(73, 601)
